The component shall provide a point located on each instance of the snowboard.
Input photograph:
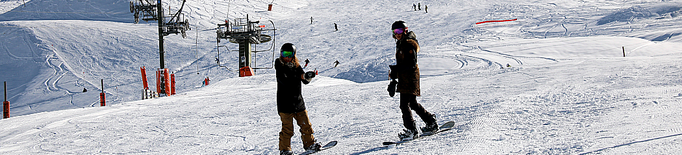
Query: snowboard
(324, 147)
(445, 127)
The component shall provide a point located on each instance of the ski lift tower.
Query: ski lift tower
(247, 34)
(175, 24)
(154, 12)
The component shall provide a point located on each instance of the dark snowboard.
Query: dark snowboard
(326, 146)
(445, 127)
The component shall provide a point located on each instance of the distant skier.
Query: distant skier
(311, 20)
(406, 71)
(290, 104)
(85, 90)
(336, 27)
(205, 82)
(336, 63)
(419, 6)
(414, 6)
(426, 8)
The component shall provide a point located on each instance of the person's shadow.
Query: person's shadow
(372, 150)
(630, 143)
(457, 129)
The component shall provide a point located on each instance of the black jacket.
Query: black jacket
(407, 47)
(406, 64)
(289, 98)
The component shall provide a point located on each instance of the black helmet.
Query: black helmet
(288, 47)
(398, 24)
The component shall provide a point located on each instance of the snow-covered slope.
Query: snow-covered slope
(553, 82)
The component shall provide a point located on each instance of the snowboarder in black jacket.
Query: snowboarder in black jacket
(406, 71)
(290, 104)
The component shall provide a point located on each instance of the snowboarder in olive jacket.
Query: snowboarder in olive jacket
(290, 103)
(407, 72)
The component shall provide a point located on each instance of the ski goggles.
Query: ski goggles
(289, 54)
(399, 31)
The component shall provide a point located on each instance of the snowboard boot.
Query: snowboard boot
(431, 127)
(285, 152)
(408, 134)
(313, 148)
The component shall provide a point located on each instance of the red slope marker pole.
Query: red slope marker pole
(5, 104)
(166, 78)
(158, 81)
(144, 78)
(102, 97)
(172, 83)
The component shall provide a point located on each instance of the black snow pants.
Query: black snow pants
(408, 102)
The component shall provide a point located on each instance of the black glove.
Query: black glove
(391, 87)
(309, 75)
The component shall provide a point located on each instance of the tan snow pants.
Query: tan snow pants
(288, 129)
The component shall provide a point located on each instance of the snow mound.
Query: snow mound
(95, 10)
(641, 12)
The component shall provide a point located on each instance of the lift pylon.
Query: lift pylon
(176, 24)
(247, 34)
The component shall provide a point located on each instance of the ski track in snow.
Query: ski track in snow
(568, 90)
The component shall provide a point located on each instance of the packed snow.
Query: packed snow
(567, 77)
